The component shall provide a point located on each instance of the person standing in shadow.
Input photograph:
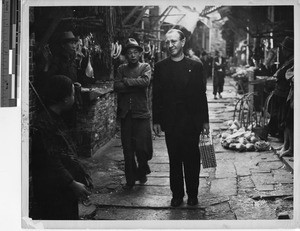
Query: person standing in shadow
(59, 180)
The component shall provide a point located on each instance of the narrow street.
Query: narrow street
(245, 185)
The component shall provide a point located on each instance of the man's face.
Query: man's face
(70, 46)
(133, 55)
(174, 44)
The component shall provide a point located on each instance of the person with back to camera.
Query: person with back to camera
(180, 110)
(59, 179)
(131, 83)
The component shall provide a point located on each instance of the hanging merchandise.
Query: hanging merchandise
(116, 49)
(89, 72)
(147, 49)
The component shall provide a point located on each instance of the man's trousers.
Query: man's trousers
(184, 158)
(218, 82)
(136, 139)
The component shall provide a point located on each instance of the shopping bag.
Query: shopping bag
(207, 152)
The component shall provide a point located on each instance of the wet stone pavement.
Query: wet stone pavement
(244, 186)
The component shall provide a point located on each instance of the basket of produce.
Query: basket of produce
(241, 139)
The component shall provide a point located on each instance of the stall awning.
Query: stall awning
(180, 15)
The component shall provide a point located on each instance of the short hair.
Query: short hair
(181, 34)
(56, 89)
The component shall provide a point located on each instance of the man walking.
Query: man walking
(132, 83)
(180, 110)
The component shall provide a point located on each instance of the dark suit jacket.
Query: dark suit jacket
(189, 114)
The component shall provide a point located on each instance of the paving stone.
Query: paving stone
(264, 187)
(282, 176)
(159, 167)
(216, 120)
(245, 182)
(242, 168)
(247, 191)
(216, 106)
(149, 214)
(159, 153)
(225, 187)
(225, 192)
(218, 148)
(286, 189)
(224, 155)
(154, 190)
(102, 180)
(259, 170)
(211, 200)
(270, 164)
(86, 211)
(267, 156)
(160, 181)
(219, 212)
(225, 169)
(203, 174)
(247, 209)
(137, 198)
(159, 160)
(263, 179)
(159, 174)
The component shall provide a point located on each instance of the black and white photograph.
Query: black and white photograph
(158, 115)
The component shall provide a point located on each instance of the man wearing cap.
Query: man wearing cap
(131, 83)
(64, 62)
(180, 110)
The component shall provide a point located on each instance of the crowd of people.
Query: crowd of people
(179, 109)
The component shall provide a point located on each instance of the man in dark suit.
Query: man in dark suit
(180, 110)
(219, 74)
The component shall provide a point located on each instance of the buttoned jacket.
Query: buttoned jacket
(194, 106)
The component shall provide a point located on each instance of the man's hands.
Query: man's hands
(205, 129)
(80, 190)
(157, 129)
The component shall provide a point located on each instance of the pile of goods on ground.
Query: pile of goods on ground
(240, 139)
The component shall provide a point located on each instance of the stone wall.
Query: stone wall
(97, 119)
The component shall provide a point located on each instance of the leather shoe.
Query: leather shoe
(128, 186)
(143, 180)
(192, 201)
(175, 202)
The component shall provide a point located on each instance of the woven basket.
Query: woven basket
(207, 152)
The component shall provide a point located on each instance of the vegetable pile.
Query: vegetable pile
(240, 139)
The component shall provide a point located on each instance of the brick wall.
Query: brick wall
(97, 120)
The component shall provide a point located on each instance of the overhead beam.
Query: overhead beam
(132, 12)
(160, 16)
(139, 18)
